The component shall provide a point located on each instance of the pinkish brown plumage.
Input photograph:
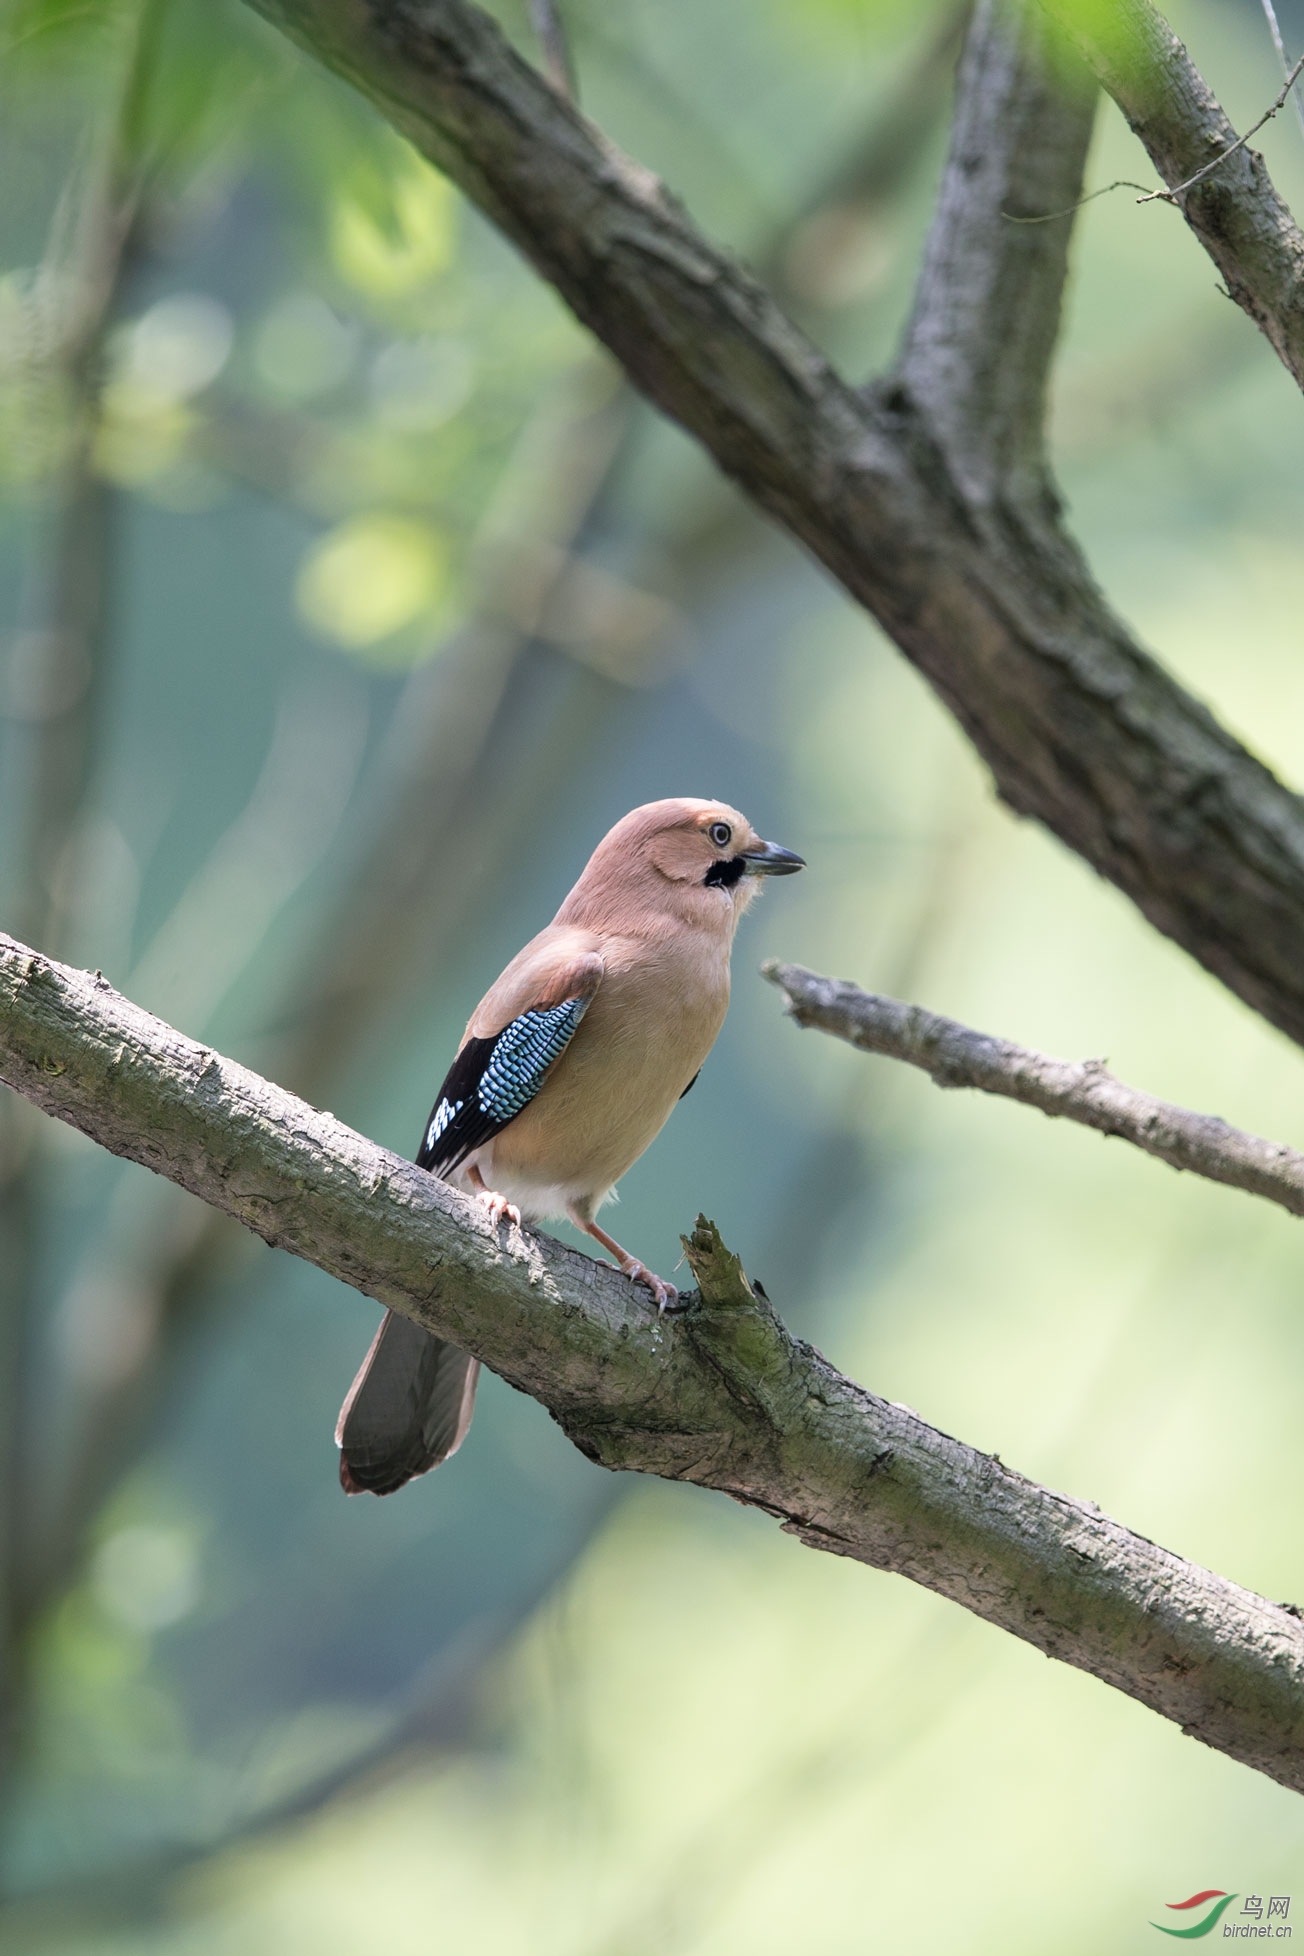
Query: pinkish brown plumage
(569, 1067)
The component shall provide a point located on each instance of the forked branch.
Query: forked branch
(1080, 727)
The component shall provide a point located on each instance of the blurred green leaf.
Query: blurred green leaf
(372, 575)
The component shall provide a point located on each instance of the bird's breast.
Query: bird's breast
(650, 1026)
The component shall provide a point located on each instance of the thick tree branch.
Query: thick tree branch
(722, 1396)
(1077, 1090)
(987, 306)
(1080, 727)
(1236, 212)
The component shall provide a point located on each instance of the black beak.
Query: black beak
(771, 860)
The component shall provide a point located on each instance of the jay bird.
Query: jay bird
(571, 1064)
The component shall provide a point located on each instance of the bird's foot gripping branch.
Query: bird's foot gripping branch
(723, 1396)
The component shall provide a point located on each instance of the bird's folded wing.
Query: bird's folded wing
(495, 1076)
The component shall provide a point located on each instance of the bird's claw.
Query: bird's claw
(498, 1206)
(667, 1297)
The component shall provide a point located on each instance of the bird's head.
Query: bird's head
(700, 861)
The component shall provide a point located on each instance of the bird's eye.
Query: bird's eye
(721, 834)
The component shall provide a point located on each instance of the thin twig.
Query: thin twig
(1171, 195)
(1282, 55)
(1075, 1090)
(1049, 217)
(1247, 227)
(545, 17)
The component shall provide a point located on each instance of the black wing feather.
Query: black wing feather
(492, 1080)
(444, 1146)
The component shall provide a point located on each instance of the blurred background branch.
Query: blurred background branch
(58, 683)
(551, 30)
(1274, 28)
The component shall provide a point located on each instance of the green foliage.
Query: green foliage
(324, 387)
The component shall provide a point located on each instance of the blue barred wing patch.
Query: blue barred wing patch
(522, 1054)
(492, 1080)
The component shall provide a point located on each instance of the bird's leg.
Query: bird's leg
(497, 1205)
(665, 1294)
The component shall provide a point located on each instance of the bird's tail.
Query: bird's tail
(407, 1410)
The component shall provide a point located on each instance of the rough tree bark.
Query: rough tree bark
(722, 1396)
(1081, 728)
(986, 316)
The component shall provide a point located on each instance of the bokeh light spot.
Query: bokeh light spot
(177, 348)
(420, 384)
(390, 254)
(146, 1577)
(370, 576)
(303, 348)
